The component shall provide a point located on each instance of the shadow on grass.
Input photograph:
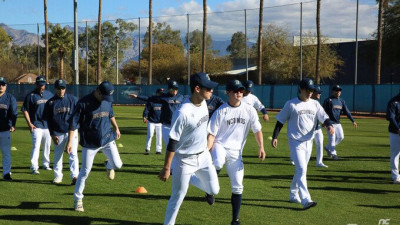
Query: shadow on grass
(357, 190)
(298, 208)
(29, 205)
(364, 158)
(133, 130)
(58, 219)
(382, 206)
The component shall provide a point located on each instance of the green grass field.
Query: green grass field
(355, 190)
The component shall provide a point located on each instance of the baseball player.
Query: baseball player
(187, 152)
(58, 110)
(252, 100)
(334, 106)
(8, 118)
(227, 134)
(151, 116)
(213, 103)
(33, 112)
(95, 115)
(301, 114)
(318, 135)
(393, 116)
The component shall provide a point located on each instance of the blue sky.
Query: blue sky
(338, 16)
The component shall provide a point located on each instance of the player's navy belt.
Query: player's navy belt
(189, 155)
(197, 153)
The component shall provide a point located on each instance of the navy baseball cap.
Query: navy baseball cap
(40, 80)
(248, 85)
(307, 84)
(202, 80)
(234, 85)
(160, 90)
(3, 80)
(60, 84)
(336, 88)
(106, 90)
(172, 84)
(318, 90)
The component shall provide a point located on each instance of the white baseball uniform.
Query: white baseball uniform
(189, 128)
(301, 117)
(253, 101)
(230, 126)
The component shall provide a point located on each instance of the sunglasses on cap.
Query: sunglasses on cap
(60, 88)
(238, 90)
(207, 89)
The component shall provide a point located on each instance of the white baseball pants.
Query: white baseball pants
(394, 155)
(151, 127)
(110, 150)
(40, 136)
(335, 139)
(165, 134)
(73, 156)
(184, 166)
(234, 165)
(300, 152)
(5, 146)
(319, 141)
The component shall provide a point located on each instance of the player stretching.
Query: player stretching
(318, 135)
(252, 100)
(334, 106)
(228, 130)
(187, 152)
(58, 110)
(301, 114)
(33, 112)
(95, 115)
(8, 118)
(393, 116)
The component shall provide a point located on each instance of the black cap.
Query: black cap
(234, 85)
(202, 80)
(3, 80)
(307, 84)
(60, 83)
(336, 88)
(106, 90)
(172, 84)
(248, 85)
(318, 90)
(40, 80)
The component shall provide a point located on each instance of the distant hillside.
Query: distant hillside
(21, 37)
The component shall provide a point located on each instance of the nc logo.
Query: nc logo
(384, 222)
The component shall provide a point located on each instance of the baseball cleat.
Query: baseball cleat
(335, 157)
(35, 172)
(147, 152)
(327, 151)
(397, 181)
(309, 205)
(158, 153)
(292, 162)
(57, 180)
(235, 222)
(73, 182)
(295, 200)
(322, 165)
(78, 206)
(7, 177)
(210, 199)
(46, 168)
(110, 174)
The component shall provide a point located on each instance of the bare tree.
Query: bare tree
(382, 4)
(259, 47)
(46, 32)
(99, 44)
(318, 58)
(203, 51)
(150, 41)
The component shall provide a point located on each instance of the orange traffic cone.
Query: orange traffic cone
(141, 190)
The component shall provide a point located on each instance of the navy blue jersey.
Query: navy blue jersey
(34, 104)
(8, 112)
(143, 97)
(213, 103)
(334, 107)
(169, 103)
(58, 111)
(152, 111)
(94, 120)
(393, 114)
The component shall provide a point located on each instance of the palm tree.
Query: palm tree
(99, 44)
(203, 52)
(150, 41)
(61, 41)
(46, 37)
(382, 4)
(259, 47)
(318, 58)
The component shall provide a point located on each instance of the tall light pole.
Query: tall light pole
(117, 41)
(76, 49)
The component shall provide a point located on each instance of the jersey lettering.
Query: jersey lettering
(100, 114)
(202, 120)
(235, 120)
(337, 107)
(301, 112)
(62, 110)
(3, 106)
(41, 101)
